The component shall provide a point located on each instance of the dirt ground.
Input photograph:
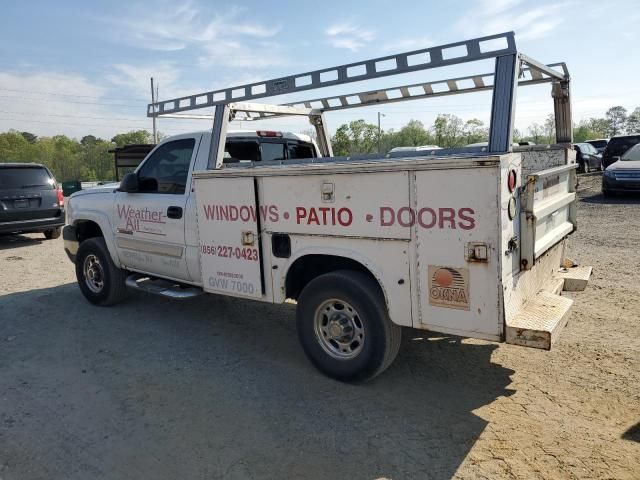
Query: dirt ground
(219, 388)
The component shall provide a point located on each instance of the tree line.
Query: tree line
(88, 159)
(449, 131)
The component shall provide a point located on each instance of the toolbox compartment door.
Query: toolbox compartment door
(548, 211)
(228, 226)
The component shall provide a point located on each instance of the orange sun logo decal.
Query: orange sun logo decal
(443, 277)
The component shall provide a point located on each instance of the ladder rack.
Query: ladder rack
(512, 69)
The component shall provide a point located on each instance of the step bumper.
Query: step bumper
(539, 323)
(575, 278)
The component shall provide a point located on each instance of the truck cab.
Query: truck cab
(153, 224)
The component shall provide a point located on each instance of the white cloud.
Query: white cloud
(495, 16)
(214, 36)
(349, 36)
(231, 53)
(51, 103)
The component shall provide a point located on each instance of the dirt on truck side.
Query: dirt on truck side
(155, 388)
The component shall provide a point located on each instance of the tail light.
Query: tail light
(60, 197)
(511, 180)
(268, 133)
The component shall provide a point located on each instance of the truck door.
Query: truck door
(149, 224)
(228, 225)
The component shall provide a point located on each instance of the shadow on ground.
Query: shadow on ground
(633, 433)
(18, 241)
(216, 387)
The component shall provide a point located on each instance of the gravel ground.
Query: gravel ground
(219, 388)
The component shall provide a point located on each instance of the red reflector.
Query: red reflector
(60, 197)
(268, 133)
(511, 180)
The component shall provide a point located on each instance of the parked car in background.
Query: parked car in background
(599, 144)
(30, 200)
(624, 175)
(587, 157)
(617, 146)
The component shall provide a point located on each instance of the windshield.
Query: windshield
(25, 177)
(633, 154)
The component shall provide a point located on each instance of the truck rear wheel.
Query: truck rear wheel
(344, 327)
(100, 281)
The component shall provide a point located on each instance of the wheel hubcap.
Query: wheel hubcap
(93, 273)
(339, 329)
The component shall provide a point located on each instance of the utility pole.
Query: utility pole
(379, 131)
(153, 101)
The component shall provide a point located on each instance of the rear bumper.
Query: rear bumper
(535, 313)
(39, 225)
(71, 243)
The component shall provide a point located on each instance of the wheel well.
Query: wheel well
(308, 267)
(87, 229)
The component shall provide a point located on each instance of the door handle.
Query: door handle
(174, 212)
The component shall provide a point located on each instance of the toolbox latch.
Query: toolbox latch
(476, 252)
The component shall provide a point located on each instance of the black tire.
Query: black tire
(112, 278)
(53, 233)
(381, 337)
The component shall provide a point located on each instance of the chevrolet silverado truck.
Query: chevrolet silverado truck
(456, 241)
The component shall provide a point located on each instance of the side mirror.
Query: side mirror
(129, 183)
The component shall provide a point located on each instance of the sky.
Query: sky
(79, 68)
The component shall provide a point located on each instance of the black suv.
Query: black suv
(30, 200)
(617, 146)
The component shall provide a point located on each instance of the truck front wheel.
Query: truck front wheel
(344, 327)
(53, 233)
(100, 281)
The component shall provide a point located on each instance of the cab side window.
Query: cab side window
(167, 169)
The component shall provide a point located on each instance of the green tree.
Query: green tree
(133, 137)
(550, 128)
(447, 130)
(88, 140)
(582, 133)
(536, 131)
(354, 138)
(474, 131)
(413, 134)
(616, 119)
(14, 147)
(633, 121)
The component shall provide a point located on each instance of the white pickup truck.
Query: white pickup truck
(454, 241)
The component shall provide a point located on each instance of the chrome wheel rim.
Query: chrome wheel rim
(339, 329)
(93, 273)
